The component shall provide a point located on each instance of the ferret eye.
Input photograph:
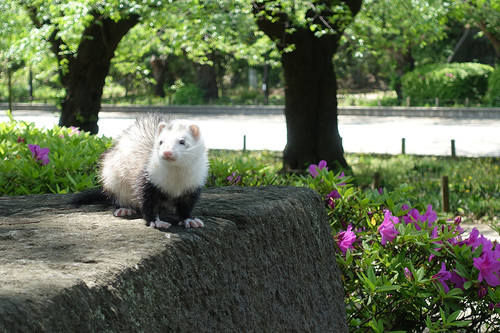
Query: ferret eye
(160, 143)
(182, 141)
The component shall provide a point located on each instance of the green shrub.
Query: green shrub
(494, 87)
(58, 160)
(405, 268)
(258, 168)
(188, 94)
(456, 81)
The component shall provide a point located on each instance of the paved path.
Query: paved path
(363, 134)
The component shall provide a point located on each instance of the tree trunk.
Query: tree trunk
(404, 64)
(207, 79)
(311, 103)
(493, 38)
(310, 80)
(87, 69)
(159, 64)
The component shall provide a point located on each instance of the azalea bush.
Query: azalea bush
(405, 268)
(57, 160)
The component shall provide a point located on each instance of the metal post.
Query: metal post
(376, 181)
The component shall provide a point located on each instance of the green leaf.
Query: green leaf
(467, 285)
(387, 288)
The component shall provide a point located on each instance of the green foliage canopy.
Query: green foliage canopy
(14, 26)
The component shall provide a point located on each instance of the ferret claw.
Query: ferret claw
(160, 224)
(120, 212)
(192, 223)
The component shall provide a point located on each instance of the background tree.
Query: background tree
(83, 38)
(209, 32)
(307, 34)
(401, 29)
(13, 26)
(485, 14)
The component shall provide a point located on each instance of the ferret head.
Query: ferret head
(179, 142)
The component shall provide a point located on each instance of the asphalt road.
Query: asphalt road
(364, 134)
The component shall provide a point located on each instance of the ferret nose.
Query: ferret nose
(168, 155)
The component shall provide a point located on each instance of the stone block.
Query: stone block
(263, 263)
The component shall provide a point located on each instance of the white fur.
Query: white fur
(139, 150)
(123, 165)
(188, 168)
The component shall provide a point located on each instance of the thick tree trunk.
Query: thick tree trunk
(207, 79)
(159, 64)
(311, 103)
(310, 80)
(87, 69)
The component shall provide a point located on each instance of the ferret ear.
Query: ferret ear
(161, 126)
(195, 131)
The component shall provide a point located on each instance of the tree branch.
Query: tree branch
(273, 24)
(494, 40)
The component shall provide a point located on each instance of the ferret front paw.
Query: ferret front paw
(160, 224)
(120, 212)
(192, 223)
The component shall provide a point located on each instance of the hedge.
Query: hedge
(456, 81)
(494, 87)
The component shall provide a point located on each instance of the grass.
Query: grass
(473, 182)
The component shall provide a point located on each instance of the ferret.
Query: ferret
(157, 162)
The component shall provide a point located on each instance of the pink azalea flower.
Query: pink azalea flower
(74, 130)
(414, 216)
(388, 229)
(330, 198)
(473, 239)
(233, 178)
(476, 239)
(313, 168)
(489, 268)
(492, 306)
(457, 280)
(482, 292)
(345, 239)
(342, 175)
(408, 274)
(442, 276)
(39, 154)
(430, 216)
